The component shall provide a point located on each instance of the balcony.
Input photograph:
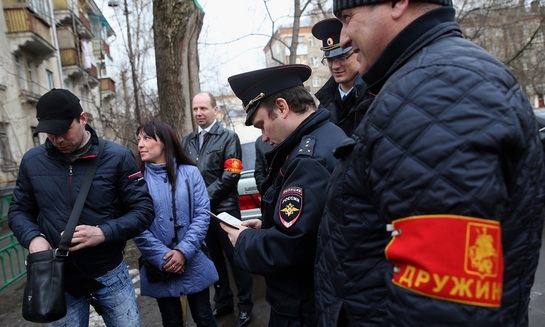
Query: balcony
(38, 8)
(66, 16)
(73, 68)
(101, 49)
(107, 88)
(26, 31)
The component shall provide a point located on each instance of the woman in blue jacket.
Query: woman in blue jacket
(174, 241)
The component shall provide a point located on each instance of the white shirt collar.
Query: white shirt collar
(342, 93)
(199, 129)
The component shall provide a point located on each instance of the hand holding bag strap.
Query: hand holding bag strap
(80, 201)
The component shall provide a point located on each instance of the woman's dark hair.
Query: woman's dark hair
(173, 147)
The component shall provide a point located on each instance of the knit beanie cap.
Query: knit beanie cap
(339, 5)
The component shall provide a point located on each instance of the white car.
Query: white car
(249, 197)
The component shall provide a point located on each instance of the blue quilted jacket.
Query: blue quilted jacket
(449, 133)
(192, 207)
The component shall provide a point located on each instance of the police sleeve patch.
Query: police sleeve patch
(291, 205)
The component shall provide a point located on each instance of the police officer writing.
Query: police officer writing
(282, 246)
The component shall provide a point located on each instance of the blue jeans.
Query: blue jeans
(117, 299)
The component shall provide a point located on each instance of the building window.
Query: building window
(50, 79)
(30, 77)
(315, 61)
(20, 73)
(6, 162)
(316, 82)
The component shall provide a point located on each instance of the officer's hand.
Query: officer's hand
(86, 236)
(233, 233)
(39, 243)
(252, 223)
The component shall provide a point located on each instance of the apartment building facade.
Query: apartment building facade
(47, 44)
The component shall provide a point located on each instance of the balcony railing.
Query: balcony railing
(29, 32)
(93, 71)
(60, 4)
(87, 24)
(69, 57)
(39, 8)
(106, 48)
(107, 85)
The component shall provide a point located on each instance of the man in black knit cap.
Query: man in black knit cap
(434, 212)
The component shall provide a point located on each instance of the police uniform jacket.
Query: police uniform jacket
(118, 201)
(284, 249)
(449, 156)
(220, 163)
(344, 113)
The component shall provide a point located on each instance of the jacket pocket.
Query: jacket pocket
(283, 303)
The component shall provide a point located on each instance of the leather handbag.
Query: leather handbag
(44, 298)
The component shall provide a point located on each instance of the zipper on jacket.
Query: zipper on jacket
(70, 176)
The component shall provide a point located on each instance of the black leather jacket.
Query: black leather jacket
(261, 166)
(220, 145)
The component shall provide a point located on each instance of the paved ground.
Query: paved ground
(10, 302)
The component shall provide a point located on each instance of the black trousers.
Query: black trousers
(199, 304)
(220, 247)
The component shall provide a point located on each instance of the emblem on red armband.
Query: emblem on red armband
(448, 257)
(233, 165)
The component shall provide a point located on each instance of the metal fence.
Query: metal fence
(12, 260)
(12, 254)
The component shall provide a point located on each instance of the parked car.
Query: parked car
(250, 199)
(540, 118)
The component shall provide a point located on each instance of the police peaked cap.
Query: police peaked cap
(252, 87)
(329, 31)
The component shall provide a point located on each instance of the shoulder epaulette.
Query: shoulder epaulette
(306, 147)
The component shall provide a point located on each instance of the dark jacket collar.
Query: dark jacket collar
(427, 28)
(329, 92)
(282, 150)
(93, 150)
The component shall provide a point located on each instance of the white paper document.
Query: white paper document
(227, 219)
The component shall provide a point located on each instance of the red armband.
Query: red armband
(233, 165)
(448, 257)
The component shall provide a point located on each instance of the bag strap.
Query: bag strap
(176, 226)
(190, 199)
(80, 201)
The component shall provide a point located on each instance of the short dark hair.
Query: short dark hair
(297, 97)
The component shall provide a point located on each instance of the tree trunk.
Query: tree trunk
(177, 25)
